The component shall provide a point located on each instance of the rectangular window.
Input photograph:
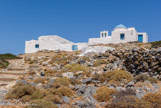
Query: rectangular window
(105, 34)
(122, 36)
(74, 47)
(36, 45)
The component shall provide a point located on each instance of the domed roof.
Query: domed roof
(120, 26)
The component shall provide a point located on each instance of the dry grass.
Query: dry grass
(62, 91)
(100, 62)
(76, 68)
(103, 94)
(128, 102)
(154, 99)
(61, 81)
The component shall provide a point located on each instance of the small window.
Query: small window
(74, 47)
(36, 45)
(102, 34)
(105, 34)
(122, 36)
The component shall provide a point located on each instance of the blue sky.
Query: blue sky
(75, 20)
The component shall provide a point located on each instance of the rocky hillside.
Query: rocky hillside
(125, 77)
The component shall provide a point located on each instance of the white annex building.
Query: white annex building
(121, 34)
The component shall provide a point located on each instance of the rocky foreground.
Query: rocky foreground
(122, 76)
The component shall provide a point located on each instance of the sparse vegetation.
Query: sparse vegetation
(61, 81)
(116, 76)
(41, 103)
(76, 67)
(144, 77)
(40, 80)
(53, 98)
(8, 56)
(3, 63)
(156, 44)
(62, 91)
(154, 99)
(99, 62)
(103, 94)
(128, 102)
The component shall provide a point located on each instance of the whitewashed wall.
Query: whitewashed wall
(130, 35)
(81, 45)
(51, 43)
(104, 40)
(30, 46)
(145, 37)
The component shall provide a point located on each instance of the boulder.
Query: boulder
(65, 99)
(68, 74)
(87, 80)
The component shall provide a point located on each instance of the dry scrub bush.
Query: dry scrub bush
(124, 93)
(40, 80)
(76, 68)
(53, 98)
(61, 81)
(103, 94)
(99, 62)
(83, 58)
(128, 102)
(62, 59)
(74, 81)
(116, 76)
(65, 91)
(41, 103)
(144, 77)
(62, 91)
(19, 91)
(154, 99)
(50, 72)
(25, 93)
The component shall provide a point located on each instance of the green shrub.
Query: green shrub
(8, 56)
(103, 94)
(116, 76)
(3, 63)
(61, 81)
(156, 44)
(41, 103)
